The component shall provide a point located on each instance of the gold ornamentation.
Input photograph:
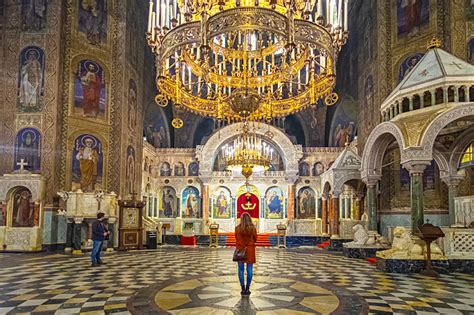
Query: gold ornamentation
(434, 43)
(161, 100)
(177, 123)
(331, 99)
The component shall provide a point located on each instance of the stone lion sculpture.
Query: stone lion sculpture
(406, 246)
(361, 236)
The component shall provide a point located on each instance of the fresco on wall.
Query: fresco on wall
(28, 148)
(130, 171)
(169, 205)
(303, 169)
(306, 207)
(318, 169)
(31, 79)
(343, 125)
(193, 169)
(404, 179)
(191, 203)
(90, 93)
(470, 51)
(411, 16)
(429, 177)
(87, 163)
(274, 203)
(23, 209)
(203, 131)
(221, 203)
(165, 169)
(156, 131)
(408, 64)
(179, 169)
(368, 110)
(92, 21)
(470, 10)
(33, 15)
(132, 104)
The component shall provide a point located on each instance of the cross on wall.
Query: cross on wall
(22, 164)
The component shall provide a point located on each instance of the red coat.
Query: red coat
(247, 240)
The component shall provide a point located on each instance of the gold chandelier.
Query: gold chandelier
(242, 60)
(247, 153)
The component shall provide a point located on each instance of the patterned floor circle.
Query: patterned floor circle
(270, 295)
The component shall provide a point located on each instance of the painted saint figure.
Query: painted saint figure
(22, 210)
(275, 203)
(91, 87)
(33, 14)
(93, 20)
(192, 205)
(88, 158)
(306, 204)
(167, 203)
(31, 80)
(222, 204)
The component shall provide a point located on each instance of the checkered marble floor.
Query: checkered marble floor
(64, 284)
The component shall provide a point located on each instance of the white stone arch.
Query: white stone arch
(37, 191)
(458, 111)
(290, 153)
(376, 146)
(343, 178)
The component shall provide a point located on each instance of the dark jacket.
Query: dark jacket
(98, 230)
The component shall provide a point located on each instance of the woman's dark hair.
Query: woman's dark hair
(246, 224)
(100, 215)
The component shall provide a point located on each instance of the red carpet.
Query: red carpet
(262, 239)
(372, 260)
(188, 240)
(323, 244)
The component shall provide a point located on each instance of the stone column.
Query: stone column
(416, 193)
(334, 221)
(77, 236)
(324, 214)
(205, 201)
(466, 93)
(372, 206)
(346, 207)
(410, 103)
(422, 100)
(453, 192)
(291, 201)
(69, 235)
(433, 97)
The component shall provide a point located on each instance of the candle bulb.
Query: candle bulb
(345, 15)
(153, 21)
(150, 16)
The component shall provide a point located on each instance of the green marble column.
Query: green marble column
(372, 207)
(452, 193)
(416, 191)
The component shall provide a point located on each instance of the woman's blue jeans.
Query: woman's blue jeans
(249, 274)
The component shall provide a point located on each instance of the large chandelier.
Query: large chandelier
(242, 60)
(247, 153)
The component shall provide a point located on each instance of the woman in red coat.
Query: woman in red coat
(246, 236)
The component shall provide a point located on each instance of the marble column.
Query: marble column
(77, 236)
(416, 197)
(356, 209)
(205, 201)
(334, 221)
(324, 214)
(291, 201)
(453, 192)
(372, 206)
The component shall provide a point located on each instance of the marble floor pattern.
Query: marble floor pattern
(188, 280)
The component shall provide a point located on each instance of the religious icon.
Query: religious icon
(33, 15)
(318, 169)
(156, 127)
(193, 169)
(132, 104)
(408, 64)
(191, 203)
(130, 170)
(222, 204)
(304, 169)
(87, 163)
(92, 21)
(274, 203)
(306, 204)
(411, 16)
(169, 202)
(90, 90)
(179, 169)
(31, 79)
(470, 49)
(23, 210)
(28, 148)
(343, 135)
(165, 169)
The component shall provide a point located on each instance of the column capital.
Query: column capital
(453, 180)
(335, 194)
(371, 180)
(416, 167)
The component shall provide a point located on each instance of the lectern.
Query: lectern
(131, 224)
(214, 235)
(429, 233)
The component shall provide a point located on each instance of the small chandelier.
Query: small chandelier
(248, 153)
(246, 60)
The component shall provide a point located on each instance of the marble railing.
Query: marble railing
(464, 211)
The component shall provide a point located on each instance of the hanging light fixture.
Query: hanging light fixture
(248, 153)
(246, 60)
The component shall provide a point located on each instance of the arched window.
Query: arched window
(467, 158)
